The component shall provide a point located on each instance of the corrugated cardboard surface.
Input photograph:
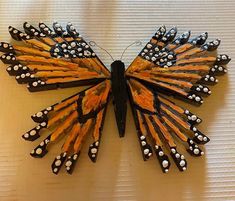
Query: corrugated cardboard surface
(119, 174)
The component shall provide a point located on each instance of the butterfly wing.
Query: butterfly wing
(48, 58)
(178, 67)
(73, 118)
(54, 58)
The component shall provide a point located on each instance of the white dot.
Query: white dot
(170, 56)
(143, 143)
(55, 169)
(177, 155)
(142, 137)
(75, 157)
(27, 25)
(173, 151)
(39, 114)
(42, 26)
(194, 117)
(197, 98)
(224, 57)
(165, 163)
(58, 163)
(182, 163)
(196, 151)
(160, 153)
(32, 132)
(149, 45)
(68, 163)
(93, 150)
(58, 157)
(35, 84)
(153, 59)
(43, 124)
(49, 108)
(200, 137)
(5, 45)
(146, 151)
(38, 151)
(26, 135)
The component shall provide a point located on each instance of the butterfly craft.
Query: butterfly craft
(167, 66)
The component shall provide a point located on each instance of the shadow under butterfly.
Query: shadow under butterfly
(168, 65)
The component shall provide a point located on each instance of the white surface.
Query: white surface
(119, 174)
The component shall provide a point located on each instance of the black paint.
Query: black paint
(119, 94)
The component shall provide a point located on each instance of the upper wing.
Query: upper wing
(74, 117)
(181, 68)
(50, 58)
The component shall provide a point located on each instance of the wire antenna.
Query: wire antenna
(93, 44)
(137, 43)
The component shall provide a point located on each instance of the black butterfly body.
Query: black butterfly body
(167, 66)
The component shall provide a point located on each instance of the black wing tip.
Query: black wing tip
(58, 162)
(93, 151)
(70, 162)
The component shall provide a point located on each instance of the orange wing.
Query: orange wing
(72, 118)
(49, 59)
(178, 67)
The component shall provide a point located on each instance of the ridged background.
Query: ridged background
(119, 174)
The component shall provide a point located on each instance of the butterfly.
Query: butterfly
(168, 67)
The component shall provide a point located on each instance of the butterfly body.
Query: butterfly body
(167, 66)
(119, 91)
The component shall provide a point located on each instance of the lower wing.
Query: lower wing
(73, 119)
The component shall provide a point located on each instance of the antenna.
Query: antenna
(93, 43)
(137, 43)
